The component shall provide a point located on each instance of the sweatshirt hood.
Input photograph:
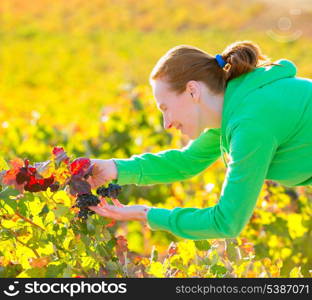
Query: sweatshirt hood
(239, 87)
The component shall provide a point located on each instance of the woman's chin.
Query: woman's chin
(191, 136)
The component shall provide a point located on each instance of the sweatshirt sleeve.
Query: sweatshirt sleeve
(251, 151)
(170, 165)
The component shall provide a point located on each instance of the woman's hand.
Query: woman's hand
(104, 170)
(121, 212)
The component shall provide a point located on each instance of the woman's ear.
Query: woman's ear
(194, 89)
(194, 96)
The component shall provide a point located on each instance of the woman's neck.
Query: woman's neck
(211, 108)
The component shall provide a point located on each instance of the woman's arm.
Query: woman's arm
(170, 165)
(251, 151)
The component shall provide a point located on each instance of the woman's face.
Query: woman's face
(179, 111)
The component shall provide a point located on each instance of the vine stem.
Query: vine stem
(22, 243)
(25, 219)
(28, 220)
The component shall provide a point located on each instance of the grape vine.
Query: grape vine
(59, 173)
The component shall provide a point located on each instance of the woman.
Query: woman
(238, 102)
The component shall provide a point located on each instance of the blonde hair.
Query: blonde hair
(184, 63)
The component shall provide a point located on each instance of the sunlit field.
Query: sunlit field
(75, 74)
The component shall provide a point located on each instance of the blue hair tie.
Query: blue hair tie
(220, 60)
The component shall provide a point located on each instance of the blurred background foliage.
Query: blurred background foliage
(75, 73)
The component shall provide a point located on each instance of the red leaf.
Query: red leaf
(54, 187)
(172, 249)
(25, 177)
(111, 224)
(57, 150)
(9, 177)
(60, 155)
(122, 244)
(22, 176)
(121, 247)
(80, 166)
(78, 186)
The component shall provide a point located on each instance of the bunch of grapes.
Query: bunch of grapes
(85, 200)
(112, 191)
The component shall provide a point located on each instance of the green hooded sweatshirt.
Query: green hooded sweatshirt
(266, 131)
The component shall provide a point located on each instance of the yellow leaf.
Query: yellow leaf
(295, 227)
(187, 250)
(3, 164)
(156, 269)
(295, 272)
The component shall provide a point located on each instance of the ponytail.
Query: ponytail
(243, 57)
(184, 63)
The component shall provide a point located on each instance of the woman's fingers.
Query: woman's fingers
(103, 202)
(124, 213)
(98, 210)
(117, 203)
(104, 212)
(112, 209)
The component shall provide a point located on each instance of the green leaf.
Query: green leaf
(61, 233)
(154, 254)
(55, 270)
(102, 251)
(5, 234)
(61, 210)
(262, 250)
(10, 271)
(202, 245)
(232, 251)
(277, 227)
(112, 267)
(106, 234)
(33, 273)
(215, 257)
(218, 270)
(5, 195)
(111, 244)
(67, 272)
(86, 240)
(90, 228)
(82, 227)
(23, 209)
(177, 262)
(44, 211)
